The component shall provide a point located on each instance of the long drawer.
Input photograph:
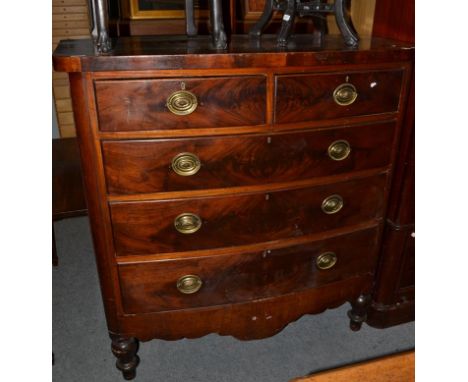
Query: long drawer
(145, 166)
(224, 279)
(160, 226)
(312, 97)
(167, 104)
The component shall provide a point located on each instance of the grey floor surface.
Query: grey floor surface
(82, 347)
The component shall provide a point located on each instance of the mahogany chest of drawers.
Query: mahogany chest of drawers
(233, 192)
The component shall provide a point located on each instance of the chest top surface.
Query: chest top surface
(180, 52)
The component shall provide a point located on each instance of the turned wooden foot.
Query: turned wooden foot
(358, 314)
(125, 350)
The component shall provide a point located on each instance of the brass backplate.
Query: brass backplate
(186, 164)
(182, 102)
(189, 284)
(326, 260)
(187, 223)
(345, 94)
(339, 150)
(332, 204)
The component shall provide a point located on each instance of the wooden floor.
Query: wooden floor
(394, 368)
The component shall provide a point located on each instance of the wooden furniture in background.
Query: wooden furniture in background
(248, 12)
(233, 193)
(317, 11)
(67, 184)
(239, 17)
(394, 368)
(394, 296)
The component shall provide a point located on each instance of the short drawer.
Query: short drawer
(225, 221)
(225, 279)
(165, 104)
(146, 166)
(311, 97)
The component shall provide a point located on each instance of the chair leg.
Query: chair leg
(287, 23)
(344, 23)
(190, 18)
(100, 12)
(219, 35)
(320, 26)
(257, 29)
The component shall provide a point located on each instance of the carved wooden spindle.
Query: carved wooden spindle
(358, 314)
(125, 349)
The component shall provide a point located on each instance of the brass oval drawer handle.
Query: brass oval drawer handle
(326, 260)
(186, 164)
(189, 284)
(345, 94)
(339, 150)
(187, 223)
(332, 204)
(182, 102)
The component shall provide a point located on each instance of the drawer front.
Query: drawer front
(226, 221)
(225, 279)
(133, 167)
(136, 105)
(302, 98)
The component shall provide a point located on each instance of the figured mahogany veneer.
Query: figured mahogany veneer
(308, 97)
(264, 122)
(129, 105)
(148, 227)
(150, 287)
(245, 320)
(144, 166)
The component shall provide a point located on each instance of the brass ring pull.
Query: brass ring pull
(182, 102)
(332, 204)
(186, 164)
(345, 94)
(189, 284)
(339, 150)
(187, 223)
(326, 260)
